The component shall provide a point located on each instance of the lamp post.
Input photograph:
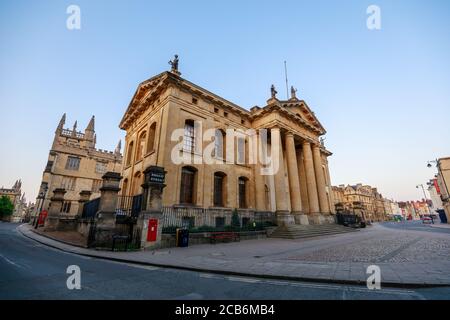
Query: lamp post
(425, 197)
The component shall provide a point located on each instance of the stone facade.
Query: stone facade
(17, 199)
(444, 182)
(75, 165)
(299, 191)
(365, 199)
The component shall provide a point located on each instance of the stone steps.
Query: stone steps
(301, 231)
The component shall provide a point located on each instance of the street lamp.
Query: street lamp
(425, 195)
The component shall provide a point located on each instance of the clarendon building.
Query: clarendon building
(74, 164)
(170, 118)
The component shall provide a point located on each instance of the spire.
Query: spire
(119, 147)
(61, 123)
(91, 125)
(74, 129)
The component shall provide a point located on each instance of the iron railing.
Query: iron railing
(128, 207)
(90, 209)
(211, 219)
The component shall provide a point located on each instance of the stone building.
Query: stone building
(366, 199)
(443, 178)
(170, 117)
(435, 194)
(17, 199)
(74, 164)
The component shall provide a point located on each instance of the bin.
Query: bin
(182, 237)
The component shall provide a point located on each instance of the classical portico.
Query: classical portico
(302, 186)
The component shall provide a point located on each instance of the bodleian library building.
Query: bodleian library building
(207, 146)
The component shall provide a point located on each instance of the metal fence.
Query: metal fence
(203, 220)
(128, 207)
(90, 209)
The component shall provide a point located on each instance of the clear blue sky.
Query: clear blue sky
(383, 96)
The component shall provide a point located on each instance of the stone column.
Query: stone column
(294, 182)
(105, 216)
(150, 218)
(282, 212)
(56, 204)
(84, 197)
(302, 178)
(313, 199)
(108, 200)
(260, 191)
(320, 178)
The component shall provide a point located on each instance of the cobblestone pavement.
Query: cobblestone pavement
(406, 257)
(395, 248)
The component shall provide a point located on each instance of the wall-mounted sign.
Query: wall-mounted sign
(155, 174)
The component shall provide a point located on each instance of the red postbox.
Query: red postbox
(152, 231)
(42, 217)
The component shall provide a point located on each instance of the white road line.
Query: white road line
(246, 280)
(11, 262)
(345, 288)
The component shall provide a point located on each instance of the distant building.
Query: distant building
(75, 165)
(18, 200)
(364, 199)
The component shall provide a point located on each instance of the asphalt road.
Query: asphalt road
(29, 270)
(417, 226)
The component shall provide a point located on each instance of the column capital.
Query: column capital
(289, 134)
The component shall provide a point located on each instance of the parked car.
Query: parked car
(427, 220)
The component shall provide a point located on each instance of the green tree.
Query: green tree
(6, 207)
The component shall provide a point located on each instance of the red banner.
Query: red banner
(436, 185)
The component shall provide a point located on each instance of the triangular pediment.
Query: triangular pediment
(143, 90)
(302, 110)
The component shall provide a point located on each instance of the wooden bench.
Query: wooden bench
(233, 236)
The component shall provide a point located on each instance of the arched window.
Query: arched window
(219, 189)
(242, 188)
(151, 137)
(141, 145)
(124, 187)
(130, 152)
(219, 142)
(189, 136)
(187, 186)
(137, 182)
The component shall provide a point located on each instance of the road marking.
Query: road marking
(346, 288)
(11, 262)
(241, 279)
(150, 268)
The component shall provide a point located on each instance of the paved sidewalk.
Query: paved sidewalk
(406, 258)
(440, 225)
